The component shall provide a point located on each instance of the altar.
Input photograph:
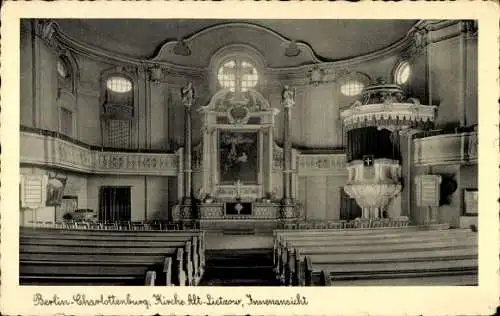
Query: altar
(229, 180)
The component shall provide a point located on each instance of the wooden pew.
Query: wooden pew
(44, 244)
(87, 262)
(374, 239)
(329, 237)
(449, 258)
(439, 272)
(369, 250)
(196, 254)
(191, 251)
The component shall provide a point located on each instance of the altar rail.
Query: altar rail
(47, 148)
(124, 225)
(402, 221)
(445, 147)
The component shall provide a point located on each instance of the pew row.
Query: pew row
(327, 235)
(168, 258)
(419, 258)
(198, 243)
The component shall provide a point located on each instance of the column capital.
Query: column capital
(156, 72)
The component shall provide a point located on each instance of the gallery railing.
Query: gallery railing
(48, 148)
(458, 145)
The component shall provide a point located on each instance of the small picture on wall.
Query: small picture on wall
(55, 189)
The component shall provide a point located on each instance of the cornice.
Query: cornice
(113, 58)
(305, 47)
(50, 30)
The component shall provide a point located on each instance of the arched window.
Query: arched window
(352, 87)
(119, 96)
(402, 73)
(118, 106)
(65, 96)
(237, 75)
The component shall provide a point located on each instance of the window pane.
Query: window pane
(352, 87)
(119, 84)
(235, 71)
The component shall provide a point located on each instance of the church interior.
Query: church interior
(248, 152)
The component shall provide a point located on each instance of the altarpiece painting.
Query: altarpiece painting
(238, 157)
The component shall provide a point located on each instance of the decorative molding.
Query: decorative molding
(251, 192)
(393, 116)
(470, 28)
(224, 99)
(419, 39)
(54, 152)
(321, 164)
(457, 148)
(156, 73)
(386, 106)
(50, 30)
(165, 52)
(316, 75)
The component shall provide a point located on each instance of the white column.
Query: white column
(269, 186)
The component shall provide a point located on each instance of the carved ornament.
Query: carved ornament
(385, 105)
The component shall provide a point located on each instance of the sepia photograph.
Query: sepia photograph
(247, 152)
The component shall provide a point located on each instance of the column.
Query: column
(180, 175)
(288, 102)
(270, 149)
(187, 101)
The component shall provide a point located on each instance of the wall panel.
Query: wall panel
(446, 86)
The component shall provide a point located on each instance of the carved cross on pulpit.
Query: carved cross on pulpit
(238, 189)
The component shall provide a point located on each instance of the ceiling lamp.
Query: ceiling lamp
(292, 50)
(181, 48)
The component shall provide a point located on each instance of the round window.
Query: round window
(119, 84)
(402, 73)
(61, 69)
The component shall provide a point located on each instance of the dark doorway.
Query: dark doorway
(349, 209)
(114, 204)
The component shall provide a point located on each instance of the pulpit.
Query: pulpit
(233, 164)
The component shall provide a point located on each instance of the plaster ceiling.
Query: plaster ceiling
(330, 39)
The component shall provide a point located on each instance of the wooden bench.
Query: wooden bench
(417, 257)
(397, 250)
(146, 236)
(353, 239)
(333, 237)
(176, 258)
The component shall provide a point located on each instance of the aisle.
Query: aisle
(239, 267)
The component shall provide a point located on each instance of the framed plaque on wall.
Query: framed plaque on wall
(428, 190)
(470, 202)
